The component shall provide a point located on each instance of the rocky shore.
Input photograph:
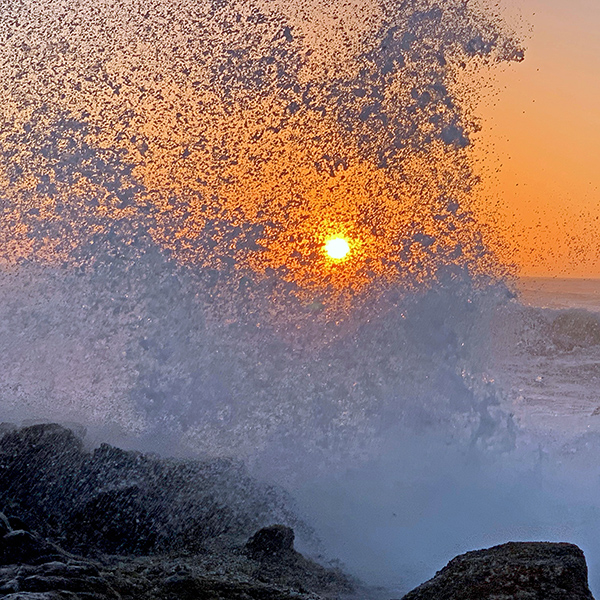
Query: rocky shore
(517, 570)
(110, 524)
(43, 572)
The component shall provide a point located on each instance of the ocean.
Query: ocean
(560, 293)
(551, 369)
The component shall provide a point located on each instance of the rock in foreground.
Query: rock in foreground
(112, 501)
(34, 574)
(513, 571)
(110, 524)
(276, 540)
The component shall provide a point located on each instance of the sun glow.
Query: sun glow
(337, 248)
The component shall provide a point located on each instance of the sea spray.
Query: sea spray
(396, 408)
(210, 129)
(136, 351)
(170, 173)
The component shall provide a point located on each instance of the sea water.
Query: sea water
(553, 378)
(560, 293)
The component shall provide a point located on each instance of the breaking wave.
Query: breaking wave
(169, 174)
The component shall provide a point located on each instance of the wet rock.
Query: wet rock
(157, 529)
(33, 596)
(39, 467)
(222, 577)
(272, 541)
(23, 547)
(115, 522)
(9, 587)
(56, 580)
(5, 525)
(273, 549)
(228, 577)
(190, 588)
(517, 570)
(54, 568)
(50, 583)
(79, 569)
(16, 523)
(116, 501)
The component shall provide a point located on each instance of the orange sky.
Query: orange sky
(541, 129)
(536, 151)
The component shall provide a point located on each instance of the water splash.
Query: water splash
(240, 140)
(169, 175)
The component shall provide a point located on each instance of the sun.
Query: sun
(337, 248)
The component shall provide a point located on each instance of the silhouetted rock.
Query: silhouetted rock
(513, 571)
(18, 547)
(123, 502)
(275, 540)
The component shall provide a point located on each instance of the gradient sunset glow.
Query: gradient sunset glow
(539, 145)
(238, 147)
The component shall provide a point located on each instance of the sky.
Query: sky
(536, 150)
(539, 147)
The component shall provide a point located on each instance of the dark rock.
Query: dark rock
(191, 588)
(52, 583)
(273, 549)
(33, 596)
(38, 465)
(9, 587)
(57, 580)
(114, 522)
(5, 525)
(79, 569)
(117, 501)
(54, 568)
(24, 547)
(159, 529)
(181, 578)
(16, 523)
(275, 540)
(41, 583)
(172, 578)
(513, 571)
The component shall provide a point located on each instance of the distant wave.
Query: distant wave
(546, 331)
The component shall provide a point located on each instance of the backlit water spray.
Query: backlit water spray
(171, 174)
